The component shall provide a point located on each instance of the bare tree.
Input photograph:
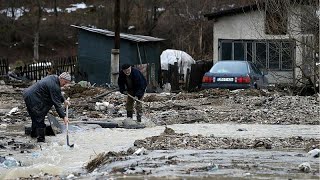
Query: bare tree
(188, 28)
(180, 22)
(37, 32)
(297, 22)
(146, 13)
(126, 10)
(55, 7)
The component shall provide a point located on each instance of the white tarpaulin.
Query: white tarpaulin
(170, 56)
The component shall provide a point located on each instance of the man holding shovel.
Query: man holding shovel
(132, 83)
(39, 99)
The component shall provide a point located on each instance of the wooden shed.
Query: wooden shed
(94, 53)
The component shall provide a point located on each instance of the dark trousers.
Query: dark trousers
(130, 103)
(37, 119)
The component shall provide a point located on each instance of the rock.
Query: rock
(103, 124)
(9, 162)
(84, 84)
(167, 87)
(54, 124)
(168, 131)
(315, 153)
(305, 167)
(100, 106)
(70, 176)
(139, 151)
(130, 124)
(13, 110)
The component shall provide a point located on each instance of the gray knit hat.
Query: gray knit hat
(65, 75)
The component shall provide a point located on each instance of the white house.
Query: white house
(273, 37)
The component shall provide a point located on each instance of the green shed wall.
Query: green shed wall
(94, 55)
(149, 52)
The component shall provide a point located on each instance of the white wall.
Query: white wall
(250, 25)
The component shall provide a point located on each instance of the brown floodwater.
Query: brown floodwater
(56, 158)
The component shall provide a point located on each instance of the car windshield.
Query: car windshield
(229, 67)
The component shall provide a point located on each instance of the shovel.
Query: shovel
(67, 111)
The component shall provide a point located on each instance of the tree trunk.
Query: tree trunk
(36, 46)
(200, 38)
(12, 11)
(55, 12)
(55, 8)
(125, 16)
(37, 34)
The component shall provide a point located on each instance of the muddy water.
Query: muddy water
(235, 163)
(248, 130)
(55, 157)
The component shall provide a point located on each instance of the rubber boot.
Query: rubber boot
(129, 114)
(138, 117)
(33, 133)
(41, 134)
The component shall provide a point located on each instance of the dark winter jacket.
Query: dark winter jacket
(139, 82)
(44, 94)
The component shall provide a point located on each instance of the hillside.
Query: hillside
(180, 22)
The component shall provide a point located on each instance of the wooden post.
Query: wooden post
(115, 53)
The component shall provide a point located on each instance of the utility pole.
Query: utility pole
(115, 52)
(318, 13)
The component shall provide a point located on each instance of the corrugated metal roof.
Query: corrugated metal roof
(130, 37)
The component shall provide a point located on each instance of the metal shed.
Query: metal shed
(94, 52)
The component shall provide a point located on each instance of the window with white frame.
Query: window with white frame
(267, 54)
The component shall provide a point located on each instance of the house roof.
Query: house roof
(231, 11)
(130, 37)
(252, 6)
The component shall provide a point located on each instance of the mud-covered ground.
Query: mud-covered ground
(163, 109)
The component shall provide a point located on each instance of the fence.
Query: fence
(193, 78)
(149, 71)
(196, 73)
(37, 71)
(4, 66)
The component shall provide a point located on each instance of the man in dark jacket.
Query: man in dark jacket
(132, 81)
(39, 99)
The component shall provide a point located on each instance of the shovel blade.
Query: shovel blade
(68, 142)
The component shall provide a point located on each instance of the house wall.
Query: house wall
(250, 26)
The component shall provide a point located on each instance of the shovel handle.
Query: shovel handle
(67, 111)
(135, 99)
(67, 115)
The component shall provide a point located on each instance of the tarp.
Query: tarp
(170, 56)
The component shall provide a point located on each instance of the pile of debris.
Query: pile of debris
(169, 140)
